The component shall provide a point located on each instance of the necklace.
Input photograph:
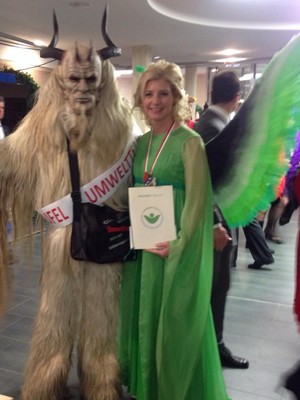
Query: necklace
(150, 180)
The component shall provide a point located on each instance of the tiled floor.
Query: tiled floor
(259, 324)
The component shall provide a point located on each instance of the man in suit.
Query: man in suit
(225, 97)
(4, 130)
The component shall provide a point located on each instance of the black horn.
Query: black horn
(51, 51)
(111, 50)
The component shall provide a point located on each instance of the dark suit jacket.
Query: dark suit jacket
(209, 126)
(6, 130)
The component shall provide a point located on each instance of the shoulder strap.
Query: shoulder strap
(75, 181)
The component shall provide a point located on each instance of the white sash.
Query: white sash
(60, 213)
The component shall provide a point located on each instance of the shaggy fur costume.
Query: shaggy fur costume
(79, 300)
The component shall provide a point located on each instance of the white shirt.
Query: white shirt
(2, 136)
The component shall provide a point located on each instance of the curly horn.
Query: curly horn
(51, 51)
(111, 50)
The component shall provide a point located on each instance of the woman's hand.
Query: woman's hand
(161, 249)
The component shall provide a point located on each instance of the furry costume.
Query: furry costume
(79, 300)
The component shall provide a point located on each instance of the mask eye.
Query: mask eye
(74, 78)
(91, 79)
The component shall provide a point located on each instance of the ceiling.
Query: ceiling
(188, 32)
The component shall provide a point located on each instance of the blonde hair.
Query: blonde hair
(172, 74)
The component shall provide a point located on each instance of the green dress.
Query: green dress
(167, 346)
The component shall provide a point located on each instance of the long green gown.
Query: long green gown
(167, 347)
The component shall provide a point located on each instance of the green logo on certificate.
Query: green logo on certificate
(152, 217)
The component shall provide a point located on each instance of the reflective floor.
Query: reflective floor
(259, 324)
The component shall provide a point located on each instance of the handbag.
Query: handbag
(100, 234)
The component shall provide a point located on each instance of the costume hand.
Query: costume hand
(161, 249)
(221, 238)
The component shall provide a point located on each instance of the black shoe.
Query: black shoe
(258, 266)
(292, 382)
(231, 361)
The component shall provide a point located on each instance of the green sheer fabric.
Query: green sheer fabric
(168, 348)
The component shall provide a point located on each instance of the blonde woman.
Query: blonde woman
(168, 348)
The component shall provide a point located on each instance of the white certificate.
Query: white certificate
(151, 210)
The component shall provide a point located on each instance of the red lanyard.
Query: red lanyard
(147, 175)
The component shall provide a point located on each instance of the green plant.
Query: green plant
(25, 79)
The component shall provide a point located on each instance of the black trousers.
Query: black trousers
(292, 381)
(220, 287)
(257, 244)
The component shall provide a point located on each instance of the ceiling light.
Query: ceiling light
(229, 52)
(229, 60)
(21, 58)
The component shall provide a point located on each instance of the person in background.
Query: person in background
(275, 212)
(168, 348)
(191, 119)
(206, 105)
(292, 378)
(257, 245)
(4, 130)
(297, 285)
(225, 98)
(199, 111)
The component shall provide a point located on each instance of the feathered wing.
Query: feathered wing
(249, 154)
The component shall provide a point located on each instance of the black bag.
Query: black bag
(100, 234)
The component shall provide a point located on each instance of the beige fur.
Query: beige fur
(79, 301)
